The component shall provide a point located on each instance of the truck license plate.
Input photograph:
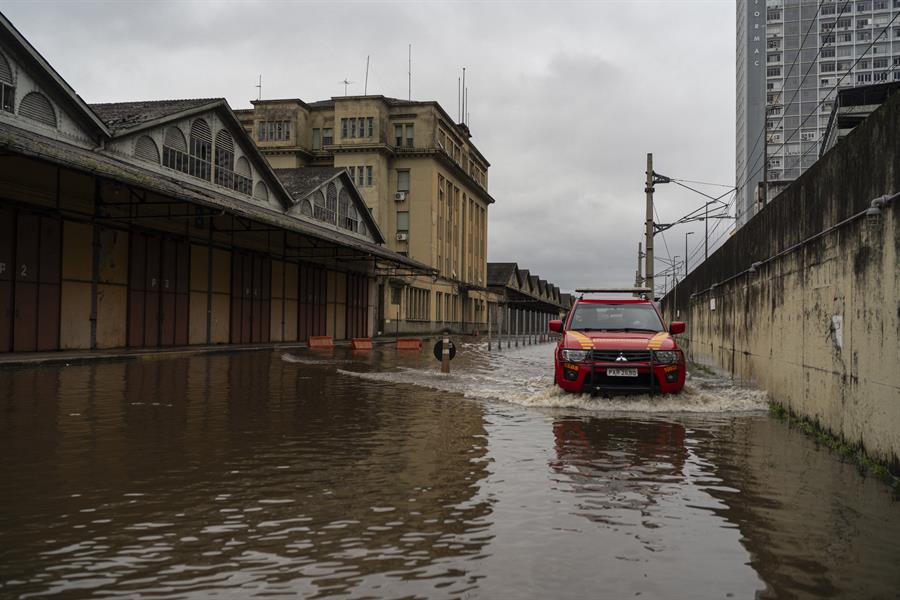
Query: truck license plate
(622, 372)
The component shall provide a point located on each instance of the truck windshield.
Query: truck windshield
(615, 317)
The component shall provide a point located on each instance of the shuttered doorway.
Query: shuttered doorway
(251, 293)
(158, 300)
(29, 281)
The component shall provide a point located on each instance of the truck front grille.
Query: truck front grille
(612, 355)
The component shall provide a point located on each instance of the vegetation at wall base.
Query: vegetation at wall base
(825, 438)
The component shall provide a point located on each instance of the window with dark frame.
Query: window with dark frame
(7, 87)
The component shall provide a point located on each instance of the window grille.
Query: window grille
(145, 149)
(343, 209)
(319, 208)
(306, 208)
(200, 161)
(243, 178)
(331, 203)
(327, 136)
(175, 154)
(35, 106)
(7, 86)
(274, 131)
(225, 159)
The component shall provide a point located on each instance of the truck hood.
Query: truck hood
(618, 340)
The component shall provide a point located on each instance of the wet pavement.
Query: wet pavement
(302, 474)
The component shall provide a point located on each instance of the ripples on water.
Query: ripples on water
(524, 376)
(365, 475)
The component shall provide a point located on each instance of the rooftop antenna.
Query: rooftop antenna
(409, 73)
(366, 86)
(462, 116)
(458, 99)
(346, 83)
(259, 87)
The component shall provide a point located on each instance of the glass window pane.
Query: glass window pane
(402, 181)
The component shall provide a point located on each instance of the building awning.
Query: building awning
(27, 143)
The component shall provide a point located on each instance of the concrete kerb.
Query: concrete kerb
(78, 357)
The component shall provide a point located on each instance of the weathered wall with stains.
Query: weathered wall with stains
(818, 323)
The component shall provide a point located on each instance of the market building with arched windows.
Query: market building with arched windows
(159, 224)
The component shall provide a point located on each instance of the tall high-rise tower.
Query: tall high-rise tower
(792, 58)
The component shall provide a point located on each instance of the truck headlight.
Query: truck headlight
(575, 355)
(666, 357)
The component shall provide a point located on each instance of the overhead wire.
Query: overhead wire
(828, 96)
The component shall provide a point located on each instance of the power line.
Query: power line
(741, 186)
(724, 185)
(828, 96)
(815, 109)
(811, 64)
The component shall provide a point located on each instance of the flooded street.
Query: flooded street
(371, 475)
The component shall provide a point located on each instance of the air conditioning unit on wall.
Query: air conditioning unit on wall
(400, 197)
(402, 237)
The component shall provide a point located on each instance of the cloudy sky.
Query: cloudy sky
(565, 98)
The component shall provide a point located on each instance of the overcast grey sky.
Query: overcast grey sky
(565, 98)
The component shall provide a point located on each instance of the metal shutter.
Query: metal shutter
(5, 72)
(35, 106)
(224, 141)
(145, 149)
(175, 139)
(201, 131)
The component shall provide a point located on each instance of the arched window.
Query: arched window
(200, 163)
(225, 159)
(353, 218)
(319, 208)
(331, 203)
(145, 149)
(306, 208)
(175, 154)
(243, 178)
(35, 106)
(261, 192)
(7, 86)
(344, 210)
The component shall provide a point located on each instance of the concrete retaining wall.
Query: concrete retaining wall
(818, 324)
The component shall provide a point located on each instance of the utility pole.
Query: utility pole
(648, 235)
(638, 280)
(706, 236)
(686, 253)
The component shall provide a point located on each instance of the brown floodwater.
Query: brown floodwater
(303, 474)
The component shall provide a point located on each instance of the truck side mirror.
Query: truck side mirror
(676, 327)
(555, 325)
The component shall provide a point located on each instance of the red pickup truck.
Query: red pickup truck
(617, 345)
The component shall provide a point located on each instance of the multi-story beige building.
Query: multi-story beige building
(424, 181)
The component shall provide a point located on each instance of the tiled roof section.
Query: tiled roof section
(119, 116)
(499, 273)
(523, 279)
(300, 182)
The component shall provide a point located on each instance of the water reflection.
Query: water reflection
(237, 472)
(815, 526)
(349, 475)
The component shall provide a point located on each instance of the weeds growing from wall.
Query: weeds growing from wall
(856, 453)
